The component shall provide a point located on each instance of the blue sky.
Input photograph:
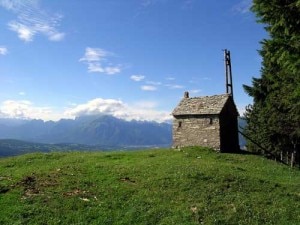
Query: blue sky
(129, 58)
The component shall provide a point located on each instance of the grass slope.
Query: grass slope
(191, 186)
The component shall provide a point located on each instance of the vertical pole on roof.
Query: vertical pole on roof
(228, 73)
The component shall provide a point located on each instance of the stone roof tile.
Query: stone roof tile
(207, 105)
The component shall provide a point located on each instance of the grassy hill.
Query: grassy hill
(191, 186)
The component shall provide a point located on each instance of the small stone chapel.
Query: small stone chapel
(210, 121)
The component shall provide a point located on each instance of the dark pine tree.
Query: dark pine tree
(274, 118)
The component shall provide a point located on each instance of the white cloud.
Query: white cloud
(243, 6)
(95, 58)
(23, 109)
(137, 78)
(110, 70)
(156, 83)
(94, 67)
(32, 20)
(3, 50)
(170, 78)
(97, 106)
(56, 36)
(139, 111)
(25, 33)
(94, 55)
(22, 93)
(148, 88)
(174, 86)
(10, 4)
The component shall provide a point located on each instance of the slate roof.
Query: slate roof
(208, 105)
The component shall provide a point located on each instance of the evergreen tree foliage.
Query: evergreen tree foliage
(274, 118)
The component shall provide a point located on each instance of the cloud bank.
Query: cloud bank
(23, 109)
(142, 111)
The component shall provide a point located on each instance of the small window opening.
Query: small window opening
(179, 124)
(210, 121)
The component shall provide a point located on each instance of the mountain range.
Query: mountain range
(84, 133)
(88, 130)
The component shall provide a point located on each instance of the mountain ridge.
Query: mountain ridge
(85, 133)
(88, 130)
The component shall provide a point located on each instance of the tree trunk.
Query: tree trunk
(292, 159)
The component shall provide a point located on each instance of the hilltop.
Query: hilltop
(163, 186)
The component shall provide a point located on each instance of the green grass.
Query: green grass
(191, 186)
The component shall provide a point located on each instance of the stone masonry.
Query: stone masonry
(209, 121)
(197, 131)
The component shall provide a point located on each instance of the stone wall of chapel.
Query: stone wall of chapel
(190, 131)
